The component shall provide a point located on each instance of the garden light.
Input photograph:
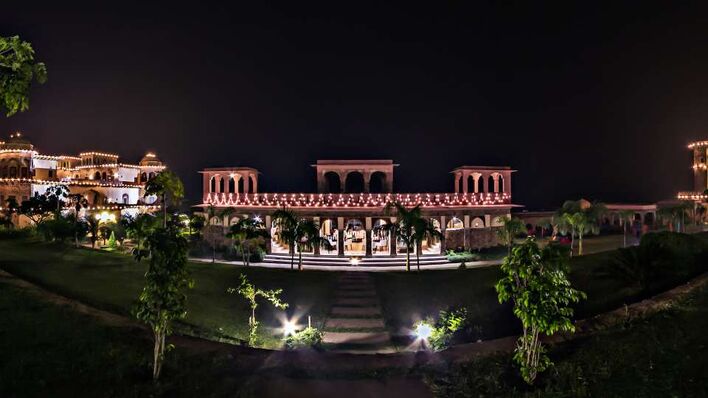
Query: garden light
(423, 330)
(354, 261)
(289, 327)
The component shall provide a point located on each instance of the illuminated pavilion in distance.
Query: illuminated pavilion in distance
(105, 182)
(349, 206)
(699, 151)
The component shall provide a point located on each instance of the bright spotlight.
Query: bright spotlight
(423, 331)
(354, 261)
(257, 219)
(289, 327)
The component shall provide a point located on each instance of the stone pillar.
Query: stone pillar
(316, 249)
(367, 181)
(367, 239)
(388, 183)
(268, 226)
(246, 183)
(340, 236)
(496, 183)
(487, 221)
(507, 183)
(465, 230)
(392, 240)
(443, 228)
(465, 177)
(321, 182)
(342, 180)
(476, 182)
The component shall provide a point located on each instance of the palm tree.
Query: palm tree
(422, 230)
(511, 227)
(579, 218)
(166, 185)
(626, 216)
(93, 226)
(298, 232)
(403, 228)
(139, 228)
(79, 202)
(246, 231)
(676, 215)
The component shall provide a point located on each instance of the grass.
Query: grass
(408, 297)
(665, 355)
(113, 281)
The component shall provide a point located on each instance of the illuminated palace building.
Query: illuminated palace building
(101, 178)
(349, 206)
(700, 173)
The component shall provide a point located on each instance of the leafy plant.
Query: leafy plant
(310, 337)
(298, 232)
(18, 70)
(510, 227)
(248, 291)
(163, 299)
(536, 282)
(249, 234)
(404, 228)
(168, 187)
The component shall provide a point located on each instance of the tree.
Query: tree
(246, 233)
(167, 186)
(92, 225)
(163, 299)
(511, 226)
(536, 282)
(298, 232)
(626, 217)
(195, 224)
(139, 228)
(79, 202)
(403, 229)
(39, 208)
(422, 230)
(579, 218)
(18, 70)
(251, 293)
(10, 208)
(675, 214)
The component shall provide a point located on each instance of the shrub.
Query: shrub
(15, 233)
(309, 337)
(446, 329)
(462, 257)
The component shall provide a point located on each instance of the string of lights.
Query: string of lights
(365, 200)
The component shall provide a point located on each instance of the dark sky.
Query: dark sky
(584, 100)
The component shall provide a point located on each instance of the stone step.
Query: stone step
(356, 293)
(354, 323)
(356, 311)
(356, 301)
(356, 338)
(356, 286)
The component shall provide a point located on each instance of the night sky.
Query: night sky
(583, 100)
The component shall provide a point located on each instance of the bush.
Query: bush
(56, 229)
(462, 257)
(15, 233)
(307, 338)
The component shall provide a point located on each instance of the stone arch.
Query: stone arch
(377, 182)
(470, 183)
(241, 185)
(490, 184)
(94, 197)
(212, 184)
(251, 184)
(354, 182)
(232, 184)
(97, 175)
(126, 199)
(455, 223)
(222, 184)
(501, 183)
(104, 176)
(477, 222)
(332, 182)
(329, 231)
(215, 221)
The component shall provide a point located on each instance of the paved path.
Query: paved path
(355, 323)
(356, 268)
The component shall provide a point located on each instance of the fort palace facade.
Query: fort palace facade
(106, 182)
(349, 206)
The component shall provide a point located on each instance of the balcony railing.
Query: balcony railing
(355, 200)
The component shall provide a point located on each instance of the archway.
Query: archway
(328, 231)
(232, 184)
(251, 184)
(501, 184)
(212, 184)
(126, 199)
(431, 245)
(354, 182)
(377, 182)
(222, 184)
(477, 223)
(94, 197)
(455, 223)
(144, 177)
(380, 239)
(240, 185)
(277, 244)
(97, 176)
(332, 182)
(490, 184)
(470, 183)
(354, 238)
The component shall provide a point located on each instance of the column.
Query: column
(246, 182)
(476, 182)
(367, 238)
(392, 240)
(342, 180)
(316, 249)
(465, 230)
(443, 228)
(340, 236)
(367, 181)
(268, 225)
(465, 177)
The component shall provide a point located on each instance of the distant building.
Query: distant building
(101, 178)
(700, 173)
(349, 206)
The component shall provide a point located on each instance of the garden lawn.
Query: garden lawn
(665, 355)
(408, 297)
(113, 281)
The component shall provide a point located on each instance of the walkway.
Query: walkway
(355, 323)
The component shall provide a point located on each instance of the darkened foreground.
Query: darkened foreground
(50, 349)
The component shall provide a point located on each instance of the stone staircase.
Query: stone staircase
(374, 261)
(355, 323)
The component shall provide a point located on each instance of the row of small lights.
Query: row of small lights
(84, 183)
(701, 166)
(692, 196)
(112, 207)
(356, 200)
(97, 166)
(697, 144)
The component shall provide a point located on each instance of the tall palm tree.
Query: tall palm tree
(79, 202)
(403, 228)
(511, 226)
(246, 231)
(422, 230)
(579, 218)
(165, 185)
(298, 232)
(627, 216)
